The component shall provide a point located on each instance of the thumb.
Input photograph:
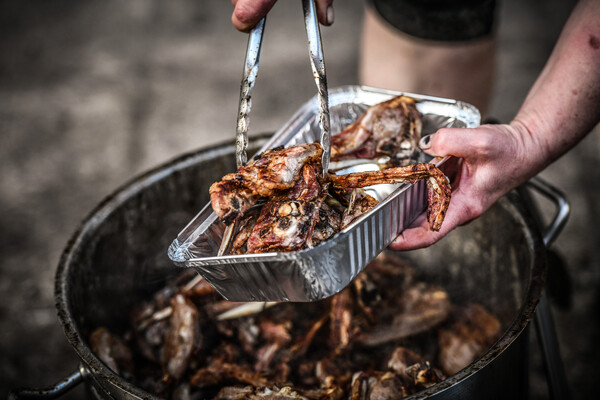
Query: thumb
(325, 11)
(247, 13)
(447, 142)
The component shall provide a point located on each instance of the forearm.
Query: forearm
(564, 103)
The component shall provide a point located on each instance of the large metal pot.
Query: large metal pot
(119, 256)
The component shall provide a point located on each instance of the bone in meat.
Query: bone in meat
(391, 128)
(438, 187)
(286, 222)
(273, 170)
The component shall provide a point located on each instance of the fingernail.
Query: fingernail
(425, 142)
(330, 15)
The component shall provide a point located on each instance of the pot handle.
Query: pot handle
(563, 209)
(51, 392)
(558, 387)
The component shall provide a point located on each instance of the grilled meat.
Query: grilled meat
(296, 201)
(438, 187)
(390, 129)
(298, 211)
(472, 333)
(299, 350)
(112, 350)
(287, 221)
(273, 170)
(183, 337)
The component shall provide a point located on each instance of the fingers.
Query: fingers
(325, 12)
(247, 13)
(418, 235)
(446, 142)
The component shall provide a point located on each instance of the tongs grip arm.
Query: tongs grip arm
(317, 63)
(248, 80)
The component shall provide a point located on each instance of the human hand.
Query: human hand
(495, 160)
(247, 13)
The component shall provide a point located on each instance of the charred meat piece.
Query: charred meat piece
(438, 187)
(358, 203)
(276, 336)
(367, 296)
(243, 230)
(183, 337)
(340, 317)
(286, 222)
(219, 373)
(300, 348)
(391, 128)
(402, 358)
(112, 351)
(473, 332)
(329, 222)
(273, 170)
(279, 169)
(423, 307)
(352, 345)
(423, 375)
(231, 198)
(267, 393)
(377, 385)
(288, 219)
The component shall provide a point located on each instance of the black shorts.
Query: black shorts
(442, 20)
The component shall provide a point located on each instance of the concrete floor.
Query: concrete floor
(94, 92)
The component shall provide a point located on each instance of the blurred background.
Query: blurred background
(94, 92)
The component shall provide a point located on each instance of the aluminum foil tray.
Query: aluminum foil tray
(323, 270)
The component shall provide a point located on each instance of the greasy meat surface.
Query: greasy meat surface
(301, 211)
(472, 333)
(112, 350)
(273, 170)
(328, 223)
(391, 128)
(438, 187)
(279, 169)
(206, 348)
(287, 221)
(300, 200)
(183, 337)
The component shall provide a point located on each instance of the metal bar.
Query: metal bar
(317, 63)
(555, 371)
(556, 378)
(51, 392)
(248, 80)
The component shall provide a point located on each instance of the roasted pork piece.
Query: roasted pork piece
(279, 201)
(301, 209)
(388, 131)
(473, 331)
(385, 336)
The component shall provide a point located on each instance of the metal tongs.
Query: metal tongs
(317, 63)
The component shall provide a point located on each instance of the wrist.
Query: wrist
(532, 146)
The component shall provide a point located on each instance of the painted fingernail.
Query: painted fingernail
(425, 142)
(330, 15)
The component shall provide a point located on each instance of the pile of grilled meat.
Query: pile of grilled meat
(280, 201)
(385, 336)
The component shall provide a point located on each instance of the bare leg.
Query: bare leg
(393, 60)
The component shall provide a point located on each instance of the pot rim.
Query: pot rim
(110, 203)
